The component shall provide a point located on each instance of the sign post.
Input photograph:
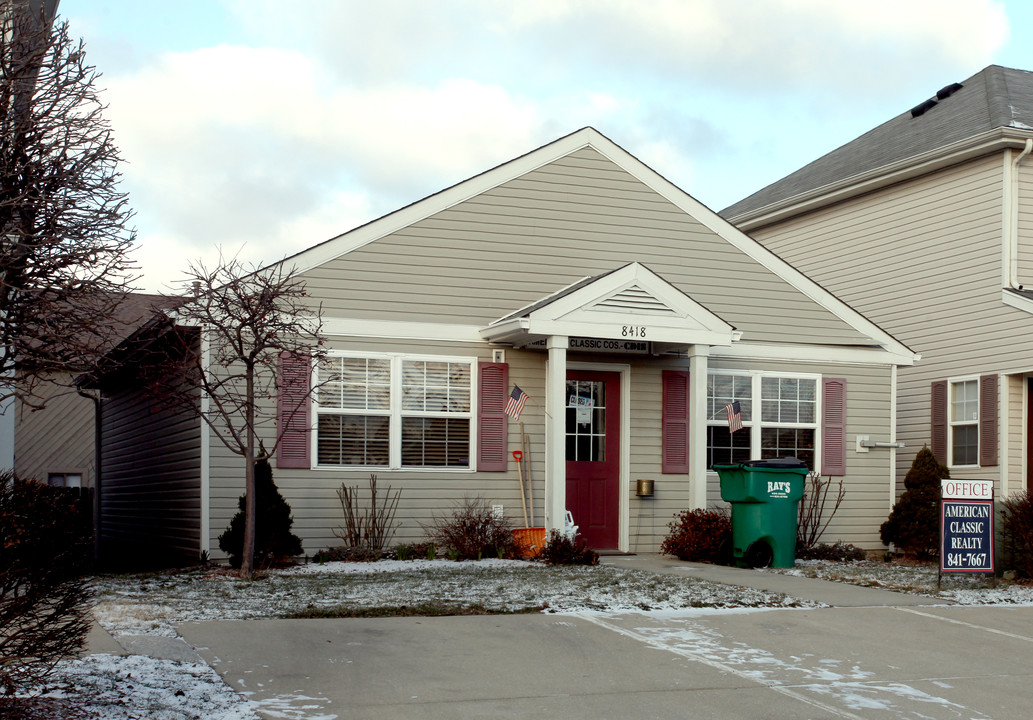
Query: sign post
(967, 526)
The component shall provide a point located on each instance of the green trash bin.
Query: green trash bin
(765, 498)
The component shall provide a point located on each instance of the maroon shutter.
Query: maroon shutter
(988, 420)
(293, 411)
(492, 421)
(833, 426)
(939, 421)
(674, 423)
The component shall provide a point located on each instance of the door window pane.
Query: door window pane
(586, 421)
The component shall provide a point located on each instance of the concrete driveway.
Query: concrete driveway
(844, 662)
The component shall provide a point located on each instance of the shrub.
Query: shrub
(914, 524)
(815, 510)
(699, 536)
(343, 553)
(838, 552)
(274, 541)
(472, 531)
(1017, 532)
(44, 598)
(373, 527)
(561, 549)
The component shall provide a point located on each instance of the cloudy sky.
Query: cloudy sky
(262, 127)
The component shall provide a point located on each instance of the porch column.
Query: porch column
(698, 356)
(555, 429)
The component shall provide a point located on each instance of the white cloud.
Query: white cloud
(335, 118)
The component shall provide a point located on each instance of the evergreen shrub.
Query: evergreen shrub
(274, 541)
(914, 523)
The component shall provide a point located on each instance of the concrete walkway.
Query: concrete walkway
(823, 591)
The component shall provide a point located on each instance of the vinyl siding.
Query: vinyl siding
(150, 481)
(1014, 397)
(56, 439)
(578, 216)
(869, 476)
(426, 494)
(923, 260)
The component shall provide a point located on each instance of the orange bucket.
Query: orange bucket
(529, 541)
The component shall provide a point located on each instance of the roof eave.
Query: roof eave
(995, 140)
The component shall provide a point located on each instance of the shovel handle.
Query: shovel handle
(517, 455)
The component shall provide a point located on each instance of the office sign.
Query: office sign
(967, 526)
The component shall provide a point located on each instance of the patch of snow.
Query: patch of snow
(136, 686)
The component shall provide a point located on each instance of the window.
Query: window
(779, 416)
(65, 480)
(394, 411)
(964, 423)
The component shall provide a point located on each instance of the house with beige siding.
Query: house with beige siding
(628, 313)
(54, 433)
(925, 224)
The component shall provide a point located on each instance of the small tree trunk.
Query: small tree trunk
(248, 551)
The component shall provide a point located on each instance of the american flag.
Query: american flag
(734, 412)
(515, 404)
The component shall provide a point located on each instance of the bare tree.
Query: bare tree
(248, 319)
(64, 264)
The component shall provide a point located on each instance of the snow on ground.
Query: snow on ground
(918, 579)
(154, 603)
(128, 688)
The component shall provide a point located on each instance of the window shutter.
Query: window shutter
(492, 421)
(833, 426)
(988, 385)
(675, 422)
(939, 421)
(294, 411)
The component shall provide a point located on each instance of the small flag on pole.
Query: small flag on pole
(515, 404)
(734, 411)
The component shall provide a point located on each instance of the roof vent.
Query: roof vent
(921, 109)
(946, 92)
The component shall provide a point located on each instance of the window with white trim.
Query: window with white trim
(779, 416)
(394, 411)
(963, 425)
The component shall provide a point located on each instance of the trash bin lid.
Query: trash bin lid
(782, 462)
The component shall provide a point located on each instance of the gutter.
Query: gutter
(97, 518)
(1010, 225)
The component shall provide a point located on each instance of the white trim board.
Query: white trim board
(339, 327)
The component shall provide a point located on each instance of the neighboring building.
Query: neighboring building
(54, 434)
(628, 312)
(925, 224)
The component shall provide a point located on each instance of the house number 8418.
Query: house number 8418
(633, 331)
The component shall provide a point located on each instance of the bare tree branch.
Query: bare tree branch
(247, 318)
(64, 264)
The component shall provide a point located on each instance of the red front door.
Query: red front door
(593, 455)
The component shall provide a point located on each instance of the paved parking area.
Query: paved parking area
(845, 662)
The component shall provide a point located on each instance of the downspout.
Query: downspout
(96, 472)
(1010, 269)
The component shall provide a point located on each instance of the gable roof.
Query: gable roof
(856, 329)
(988, 111)
(599, 307)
